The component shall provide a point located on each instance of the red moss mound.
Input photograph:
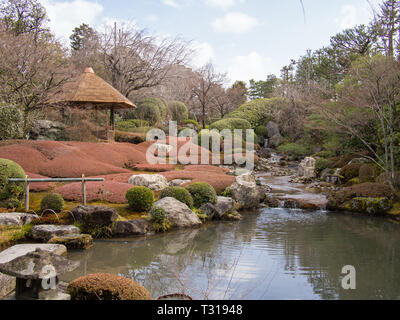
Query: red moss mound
(72, 159)
(364, 190)
(102, 286)
(108, 191)
(210, 174)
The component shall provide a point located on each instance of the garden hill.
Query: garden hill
(116, 162)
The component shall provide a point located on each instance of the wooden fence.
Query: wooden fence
(28, 180)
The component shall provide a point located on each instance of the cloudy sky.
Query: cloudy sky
(245, 38)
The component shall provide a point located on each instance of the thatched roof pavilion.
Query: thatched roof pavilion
(90, 91)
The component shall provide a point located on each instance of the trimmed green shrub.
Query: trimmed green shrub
(130, 125)
(140, 199)
(259, 111)
(159, 217)
(12, 193)
(129, 137)
(208, 135)
(148, 111)
(261, 131)
(179, 193)
(202, 193)
(294, 149)
(178, 111)
(52, 201)
(193, 122)
(321, 164)
(231, 124)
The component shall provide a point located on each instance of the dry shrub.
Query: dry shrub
(102, 286)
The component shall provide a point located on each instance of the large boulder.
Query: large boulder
(155, 182)
(224, 209)
(7, 283)
(179, 214)
(136, 227)
(275, 141)
(45, 232)
(245, 191)
(307, 168)
(78, 241)
(93, 215)
(16, 219)
(178, 182)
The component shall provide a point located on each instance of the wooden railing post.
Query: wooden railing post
(83, 190)
(26, 194)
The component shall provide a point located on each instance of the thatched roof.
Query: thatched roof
(90, 90)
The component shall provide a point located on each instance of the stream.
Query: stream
(273, 253)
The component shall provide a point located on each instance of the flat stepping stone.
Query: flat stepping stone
(79, 242)
(45, 232)
(7, 283)
(16, 219)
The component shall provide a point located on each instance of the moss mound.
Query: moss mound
(202, 193)
(11, 194)
(350, 171)
(102, 286)
(52, 201)
(367, 173)
(179, 193)
(140, 198)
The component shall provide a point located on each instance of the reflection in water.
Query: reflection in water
(275, 254)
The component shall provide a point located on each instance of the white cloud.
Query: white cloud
(253, 66)
(352, 15)
(224, 4)
(152, 18)
(203, 53)
(235, 22)
(171, 3)
(65, 16)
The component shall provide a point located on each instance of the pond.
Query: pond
(271, 254)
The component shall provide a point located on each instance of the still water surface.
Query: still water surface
(271, 254)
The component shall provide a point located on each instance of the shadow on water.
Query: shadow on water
(271, 254)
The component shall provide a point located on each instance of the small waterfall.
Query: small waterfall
(288, 204)
(266, 143)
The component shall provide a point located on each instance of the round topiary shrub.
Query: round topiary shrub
(11, 193)
(140, 199)
(52, 201)
(179, 193)
(202, 193)
(148, 111)
(178, 111)
(159, 217)
(102, 286)
(231, 124)
(261, 131)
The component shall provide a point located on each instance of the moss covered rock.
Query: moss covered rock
(367, 172)
(74, 242)
(350, 171)
(11, 193)
(102, 286)
(373, 206)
